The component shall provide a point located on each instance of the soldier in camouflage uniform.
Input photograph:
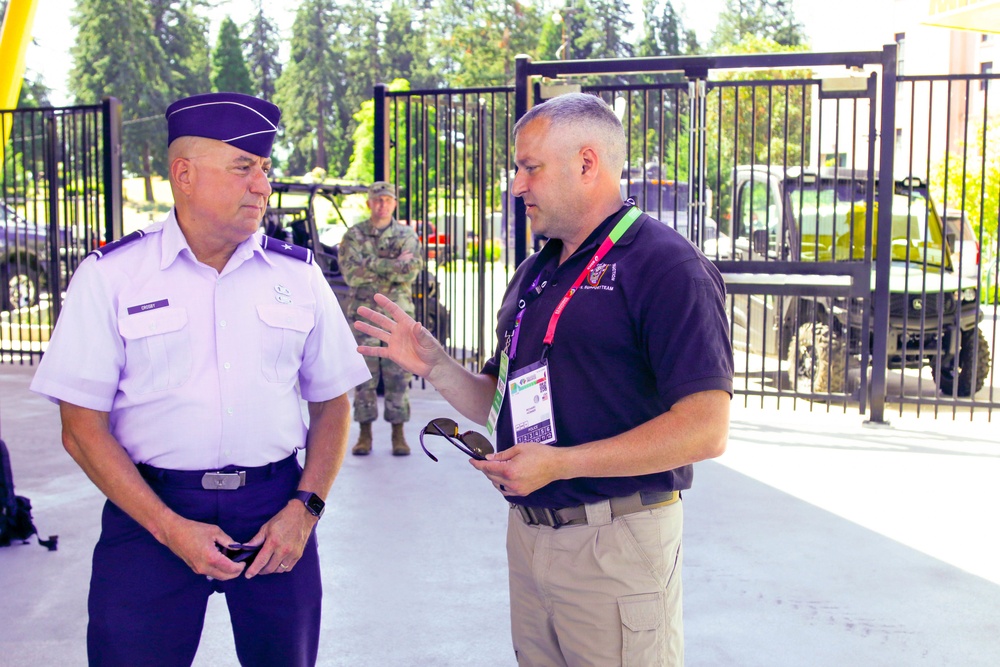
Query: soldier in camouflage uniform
(380, 255)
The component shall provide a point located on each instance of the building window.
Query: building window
(985, 68)
(900, 52)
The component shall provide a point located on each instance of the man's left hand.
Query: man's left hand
(521, 469)
(284, 538)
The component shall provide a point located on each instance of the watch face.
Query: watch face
(312, 502)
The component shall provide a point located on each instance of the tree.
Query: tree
(311, 84)
(665, 34)
(968, 178)
(403, 51)
(229, 70)
(475, 42)
(772, 20)
(261, 54)
(183, 35)
(747, 123)
(116, 53)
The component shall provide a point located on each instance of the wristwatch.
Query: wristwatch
(313, 503)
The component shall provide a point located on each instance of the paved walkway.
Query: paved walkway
(814, 540)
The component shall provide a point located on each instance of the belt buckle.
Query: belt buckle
(223, 481)
(539, 516)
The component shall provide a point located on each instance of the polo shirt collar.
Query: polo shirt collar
(597, 236)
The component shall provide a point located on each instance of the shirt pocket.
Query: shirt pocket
(157, 349)
(283, 339)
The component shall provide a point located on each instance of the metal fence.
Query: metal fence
(60, 197)
(775, 165)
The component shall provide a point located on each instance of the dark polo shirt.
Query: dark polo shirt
(646, 328)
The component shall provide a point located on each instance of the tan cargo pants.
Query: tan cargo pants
(606, 593)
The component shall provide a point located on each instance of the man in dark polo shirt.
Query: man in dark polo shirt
(613, 375)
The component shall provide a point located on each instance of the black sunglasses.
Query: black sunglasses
(474, 444)
(240, 553)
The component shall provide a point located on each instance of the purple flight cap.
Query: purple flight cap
(243, 121)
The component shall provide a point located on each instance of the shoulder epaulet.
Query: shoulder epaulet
(114, 245)
(286, 248)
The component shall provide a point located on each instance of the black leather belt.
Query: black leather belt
(569, 516)
(229, 478)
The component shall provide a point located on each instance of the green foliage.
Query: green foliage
(33, 94)
(362, 166)
(492, 250)
(229, 70)
(261, 53)
(116, 53)
(311, 87)
(771, 20)
(762, 124)
(665, 34)
(475, 42)
(978, 193)
(183, 35)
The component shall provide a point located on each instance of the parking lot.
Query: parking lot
(815, 540)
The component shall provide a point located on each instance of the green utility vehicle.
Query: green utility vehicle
(820, 216)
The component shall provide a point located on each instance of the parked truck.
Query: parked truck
(820, 216)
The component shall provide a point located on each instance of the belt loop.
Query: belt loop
(598, 514)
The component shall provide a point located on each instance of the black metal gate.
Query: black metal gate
(60, 197)
(775, 165)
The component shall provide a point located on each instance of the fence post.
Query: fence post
(112, 139)
(886, 188)
(53, 188)
(521, 63)
(381, 129)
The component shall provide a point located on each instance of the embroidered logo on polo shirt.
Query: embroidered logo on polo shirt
(600, 278)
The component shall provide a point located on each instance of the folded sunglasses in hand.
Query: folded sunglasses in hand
(473, 444)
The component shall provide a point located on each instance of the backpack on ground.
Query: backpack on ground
(15, 511)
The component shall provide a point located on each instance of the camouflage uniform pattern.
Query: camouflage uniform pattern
(369, 263)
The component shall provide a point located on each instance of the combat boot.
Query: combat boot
(399, 446)
(364, 444)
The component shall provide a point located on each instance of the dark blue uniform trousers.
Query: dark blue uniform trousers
(147, 607)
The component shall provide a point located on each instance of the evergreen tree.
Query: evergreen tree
(665, 34)
(262, 44)
(311, 85)
(34, 93)
(116, 53)
(229, 70)
(403, 47)
(475, 42)
(183, 35)
(769, 20)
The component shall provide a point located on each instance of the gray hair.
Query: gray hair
(590, 117)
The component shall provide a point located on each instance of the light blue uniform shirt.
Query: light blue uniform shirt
(200, 369)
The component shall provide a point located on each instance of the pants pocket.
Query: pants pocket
(642, 629)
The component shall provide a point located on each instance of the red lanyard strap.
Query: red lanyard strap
(616, 233)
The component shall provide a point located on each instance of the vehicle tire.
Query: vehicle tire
(817, 361)
(19, 286)
(970, 358)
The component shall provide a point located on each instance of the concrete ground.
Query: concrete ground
(815, 540)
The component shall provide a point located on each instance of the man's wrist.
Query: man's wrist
(313, 503)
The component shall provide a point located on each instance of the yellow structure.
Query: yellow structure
(15, 35)
(974, 15)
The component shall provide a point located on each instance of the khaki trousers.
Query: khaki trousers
(601, 594)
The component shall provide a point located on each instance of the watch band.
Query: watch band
(313, 503)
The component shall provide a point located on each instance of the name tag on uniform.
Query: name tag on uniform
(531, 404)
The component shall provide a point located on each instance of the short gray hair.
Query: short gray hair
(588, 114)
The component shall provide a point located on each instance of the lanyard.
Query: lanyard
(616, 233)
(533, 292)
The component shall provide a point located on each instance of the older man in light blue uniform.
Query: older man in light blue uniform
(180, 361)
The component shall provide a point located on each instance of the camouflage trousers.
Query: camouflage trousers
(396, 382)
